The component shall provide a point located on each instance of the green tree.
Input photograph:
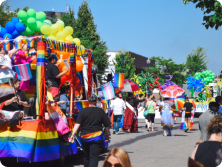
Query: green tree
(5, 14)
(86, 31)
(171, 69)
(197, 60)
(212, 12)
(69, 18)
(127, 62)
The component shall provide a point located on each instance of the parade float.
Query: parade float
(36, 139)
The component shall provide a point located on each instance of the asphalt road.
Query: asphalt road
(144, 148)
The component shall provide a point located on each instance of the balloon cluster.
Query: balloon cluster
(168, 82)
(195, 84)
(207, 76)
(25, 23)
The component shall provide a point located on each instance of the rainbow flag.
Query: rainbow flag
(6, 45)
(18, 44)
(82, 104)
(30, 42)
(118, 80)
(31, 141)
(40, 78)
(23, 72)
(108, 91)
(6, 92)
(92, 137)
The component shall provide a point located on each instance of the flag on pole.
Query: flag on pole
(108, 91)
(82, 104)
(118, 80)
(23, 72)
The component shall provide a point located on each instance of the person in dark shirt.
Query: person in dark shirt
(53, 74)
(188, 107)
(91, 120)
(207, 152)
(16, 103)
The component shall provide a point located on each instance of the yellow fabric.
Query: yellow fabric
(49, 95)
(91, 135)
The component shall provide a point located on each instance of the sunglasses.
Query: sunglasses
(108, 164)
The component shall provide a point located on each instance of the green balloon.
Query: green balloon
(48, 22)
(31, 13)
(40, 16)
(22, 15)
(38, 25)
(29, 31)
(31, 22)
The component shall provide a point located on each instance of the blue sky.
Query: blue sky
(146, 27)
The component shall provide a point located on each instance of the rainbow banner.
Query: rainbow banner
(82, 104)
(118, 80)
(6, 45)
(92, 137)
(108, 91)
(23, 71)
(40, 79)
(18, 43)
(31, 141)
(30, 42)
(6, 92)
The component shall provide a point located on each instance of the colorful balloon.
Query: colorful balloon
(77, 41)
(3, 31)
(10, 27)
(39, 24)
(64, 68)
(15, 34)
(20, 27)
(22, 15)
(69, 38)
(61, 64)
(60, 35)
(40, 16)
(65, 32)
(31, 13)
(45, 29)
(79, 65)
(31, 22)
(54, 28)
(48, 22)
(15, 19)
(60, 21)
(60, 27)
(29, 30)
(52, 37)
(69, 29)
(9, 36)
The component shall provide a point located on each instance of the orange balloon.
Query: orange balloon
(64, 68)
(65, 55)
(79, 65)
(61, 64)
(67, 41)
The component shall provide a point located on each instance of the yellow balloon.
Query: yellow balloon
(77, 41)
(53, 33)
(69, 29)
(60, 26)
(60, 41)
(66, 32)
(52, 37)
(69, 38)
(60, 35)
(45, 29)
(80, 50)
(54, 28)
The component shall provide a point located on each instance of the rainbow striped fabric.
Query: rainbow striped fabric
(5, 90)
(30, 42)
(23, 71)
(92, 137)
(82, 104)
(18, 43)
(6, 44)
(31, 141)
(108, 91)
(118, 80)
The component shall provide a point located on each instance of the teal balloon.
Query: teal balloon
(22, 15)
(31, 22)
(38, 25)
(40, 16)
(47, 22)
(31, 13)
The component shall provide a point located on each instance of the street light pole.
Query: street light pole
(123, 51)
(148, 65)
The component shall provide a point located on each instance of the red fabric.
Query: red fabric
(129, 121)
(89, 74)
(54, 91)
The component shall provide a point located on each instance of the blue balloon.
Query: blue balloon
(10, 26)
(9, 36)
(15, 34)
(3, 31)
(20, 27)
(15, 19)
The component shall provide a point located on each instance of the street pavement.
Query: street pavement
(144, 148)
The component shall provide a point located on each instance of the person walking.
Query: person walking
(151, 107)
(91, 119)
(188, 107)
(119, 108)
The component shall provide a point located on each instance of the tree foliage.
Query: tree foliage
(171, 69)
(127, 62)
(197, 60)
(86, 30)
(212, 12)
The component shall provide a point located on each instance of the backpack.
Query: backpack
(145, 113)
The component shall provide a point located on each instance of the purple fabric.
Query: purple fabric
(168, 82)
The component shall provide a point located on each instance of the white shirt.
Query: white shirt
(118, 106)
